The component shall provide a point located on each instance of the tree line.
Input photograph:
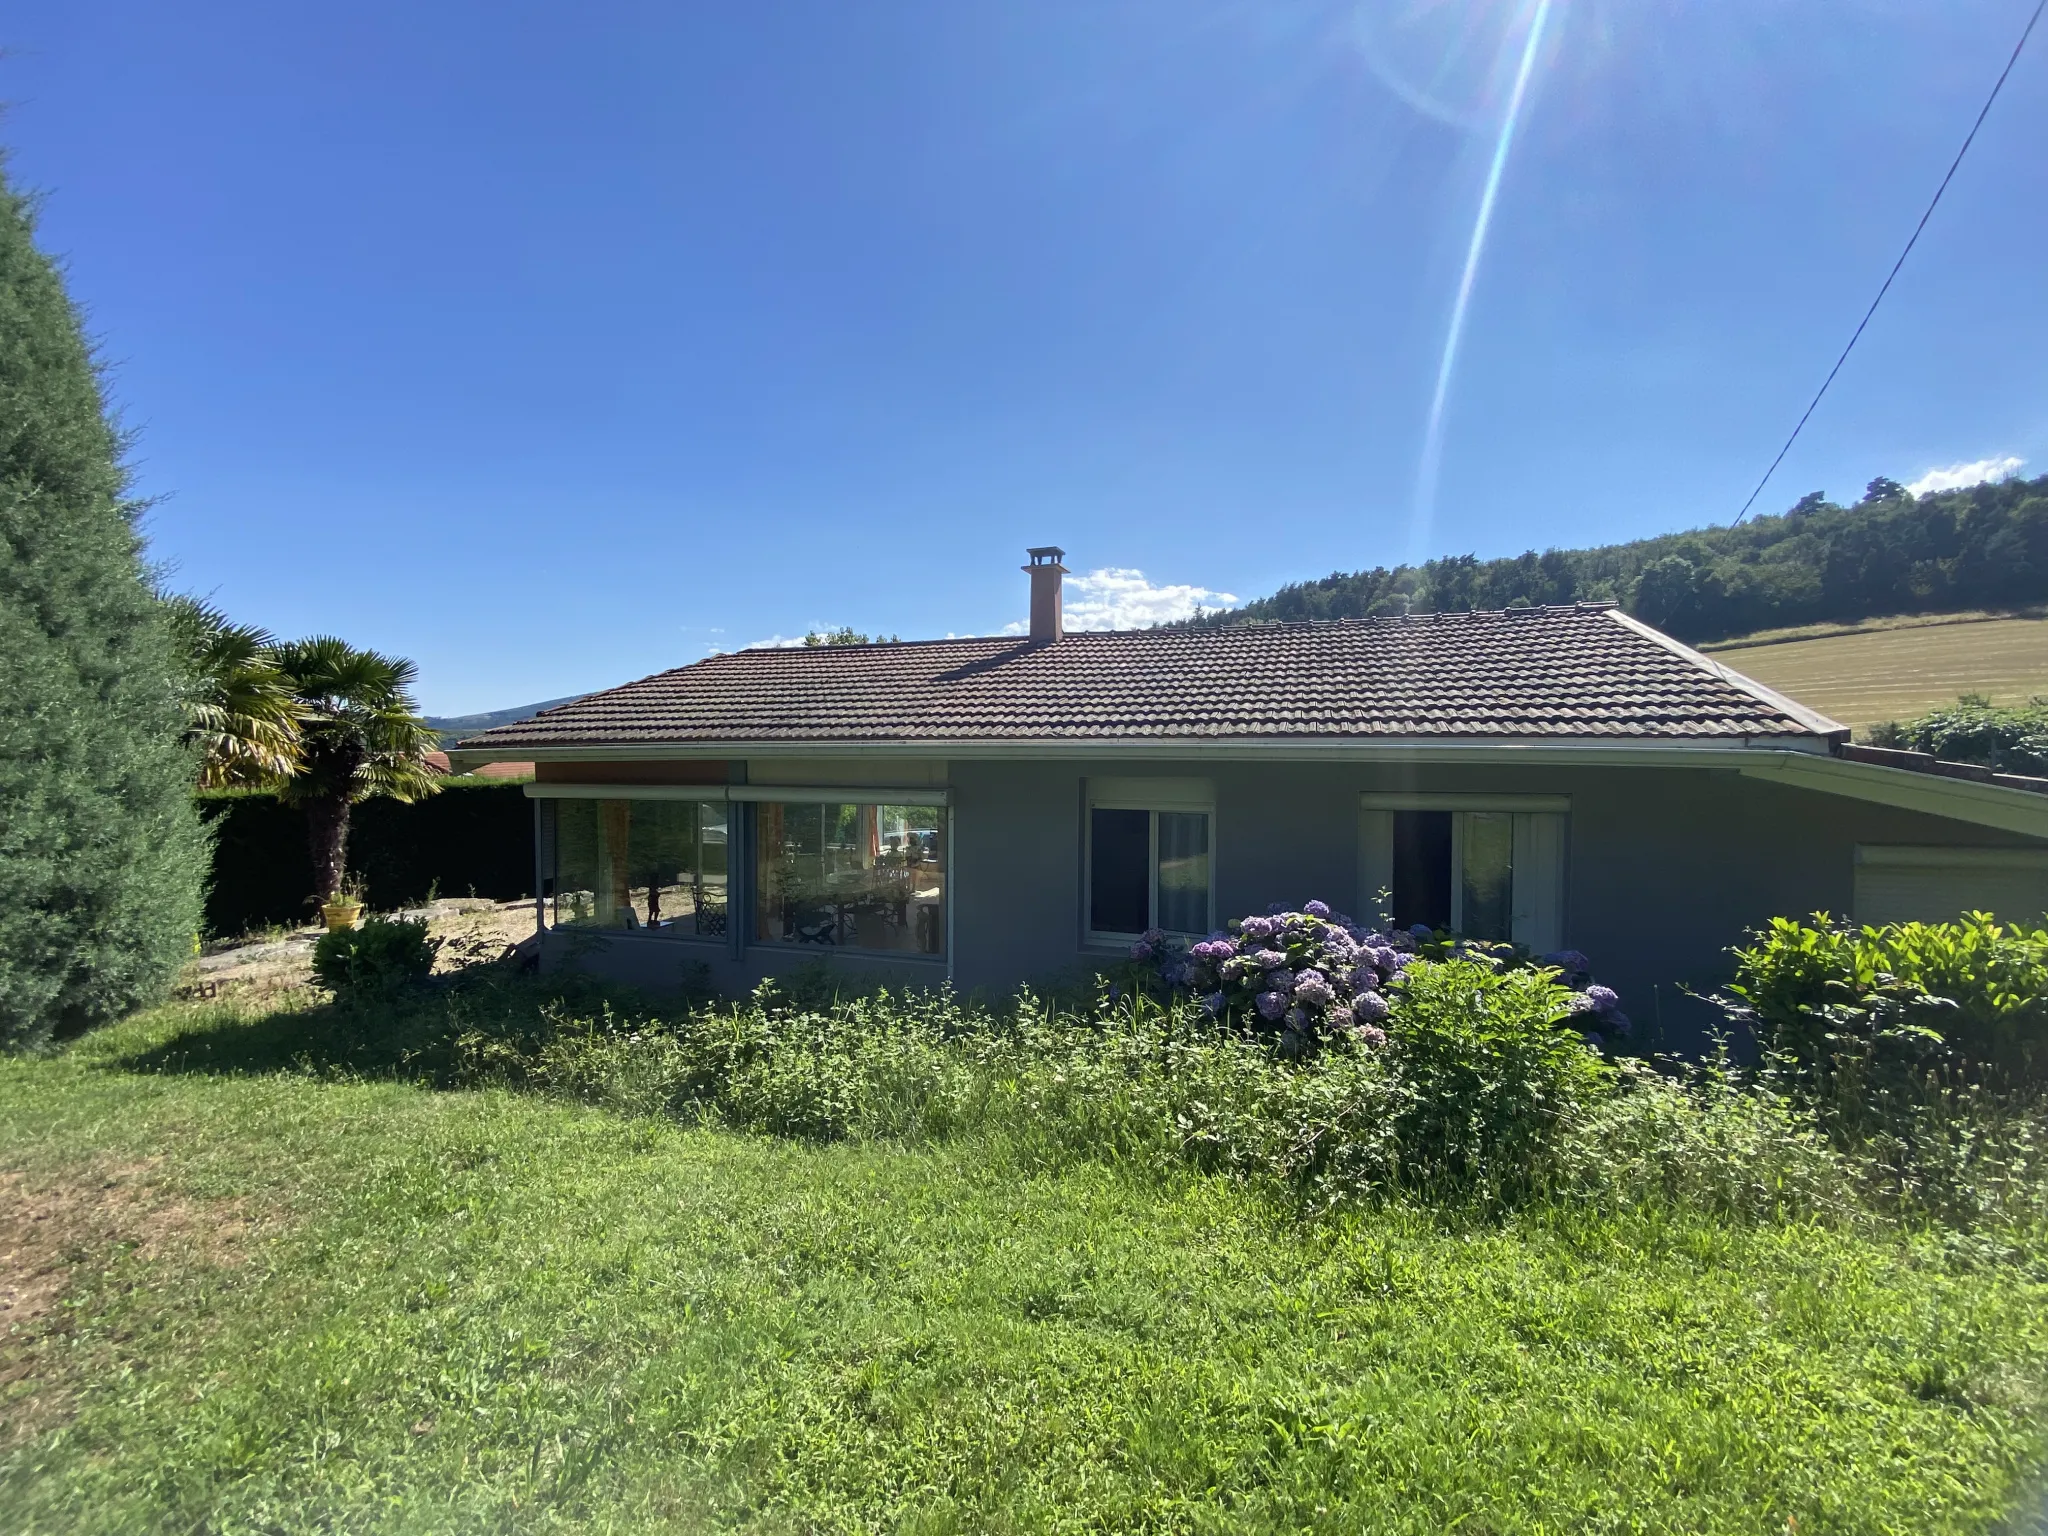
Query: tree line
(1985, 546)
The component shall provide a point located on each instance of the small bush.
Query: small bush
(381, 956)
(1489, 1073)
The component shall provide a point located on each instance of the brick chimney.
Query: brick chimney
(1047, 622)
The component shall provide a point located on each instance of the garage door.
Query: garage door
(1929, 885)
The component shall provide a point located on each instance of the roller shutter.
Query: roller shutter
(1904, 884)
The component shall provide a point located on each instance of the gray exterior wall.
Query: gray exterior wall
(1666, 868)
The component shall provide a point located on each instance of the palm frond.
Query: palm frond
(242, 718)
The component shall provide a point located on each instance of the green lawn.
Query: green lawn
(283, 1303)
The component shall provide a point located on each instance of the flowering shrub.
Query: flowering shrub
(1312, 976)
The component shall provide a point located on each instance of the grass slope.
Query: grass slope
(1896, 669)
(368, 1307)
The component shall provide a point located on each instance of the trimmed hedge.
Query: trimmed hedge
(469, 840)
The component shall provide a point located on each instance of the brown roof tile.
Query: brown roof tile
(1566, 672)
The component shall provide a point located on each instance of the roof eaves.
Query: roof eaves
(1609, 750)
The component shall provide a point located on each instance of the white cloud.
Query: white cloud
(1117, 597)
(1956, 476)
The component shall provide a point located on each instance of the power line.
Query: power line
(1967, 142)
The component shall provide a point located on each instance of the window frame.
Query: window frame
(1172, 796)
(1541, 832)
(755, 796)
(547, 855)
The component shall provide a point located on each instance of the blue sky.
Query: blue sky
(552, 346)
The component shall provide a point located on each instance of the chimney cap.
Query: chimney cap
(1050, 554)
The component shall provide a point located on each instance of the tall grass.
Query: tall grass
(1480, 1100)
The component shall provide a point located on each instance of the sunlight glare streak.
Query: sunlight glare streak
(1420, 524)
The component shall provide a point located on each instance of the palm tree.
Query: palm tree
(361, 735)
(241, 716)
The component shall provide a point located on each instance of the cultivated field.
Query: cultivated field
(1894, 669)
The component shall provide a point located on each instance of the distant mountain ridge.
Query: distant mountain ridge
(453, 728)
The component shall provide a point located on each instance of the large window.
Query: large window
(1488, 867)
(654, 866)
(850, 876)
(1149, 861)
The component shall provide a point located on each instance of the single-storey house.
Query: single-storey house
(995, 811)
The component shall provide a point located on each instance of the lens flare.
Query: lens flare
(1421, 524)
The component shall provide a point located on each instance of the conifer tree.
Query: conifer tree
(102, 858)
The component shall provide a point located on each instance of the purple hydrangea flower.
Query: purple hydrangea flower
(1314, 989)
(1373, 1035)
(1271, 1005)
(1281, 980)
(1213, 1004)
(1422, 931)
(1316, 908)
(1339, 1017)
(1603, 999)
(1570, 961)
(1141, 950)
(1257, 927)
(1269, 959)
(1369, 1007)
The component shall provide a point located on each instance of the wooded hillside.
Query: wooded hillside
(1982, 547)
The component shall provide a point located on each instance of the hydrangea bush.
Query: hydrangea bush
(1314, 976)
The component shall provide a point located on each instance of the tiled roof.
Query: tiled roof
(1562, 673)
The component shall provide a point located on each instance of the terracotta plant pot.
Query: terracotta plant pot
(341, 914)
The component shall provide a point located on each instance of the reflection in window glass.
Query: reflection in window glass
(1489, 875)
(1183, 872)
(1119, 870)
(867, 877)
(655, 866)
(1147, 869)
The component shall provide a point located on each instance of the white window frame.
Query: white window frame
(1542, 832)
(1173, 795)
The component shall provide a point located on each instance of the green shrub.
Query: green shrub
(381, 956)
(101, 855)
(1489, 1070)
(1870, 1016)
